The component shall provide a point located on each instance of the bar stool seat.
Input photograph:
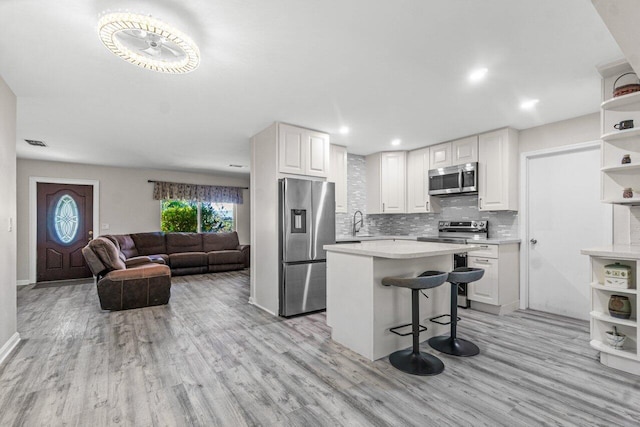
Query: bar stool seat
(451, 344)
(413, 361)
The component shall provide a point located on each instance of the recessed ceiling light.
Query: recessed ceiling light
(528, 105)
(344, 130)
(396, 142)
(148, 43)
(478, 74)
(35, 143)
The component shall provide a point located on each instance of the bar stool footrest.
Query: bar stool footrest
(420, 329)
(433, 319)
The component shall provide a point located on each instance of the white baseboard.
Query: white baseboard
(23, 282)
(495, 309)
(261, 307)
(8, 347)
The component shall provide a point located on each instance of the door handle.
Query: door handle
(460, 180)
(480, 202)
(426, 204)
(533, 241)
(383, 207)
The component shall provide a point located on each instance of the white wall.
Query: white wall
(8, 323)
(566, 132)
(126, 198)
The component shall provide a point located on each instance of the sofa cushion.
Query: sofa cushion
(226, 257)
(188, 259)
(219, 241)
(126, 244)
(150, 243)
(183, 242)
(108, 253)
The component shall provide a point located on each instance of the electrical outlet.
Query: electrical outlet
(10, 228)
(105, 226)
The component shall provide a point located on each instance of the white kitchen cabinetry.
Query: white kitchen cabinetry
(498, 170)
(498, 290)
(440, 156)
(465, 150)
(418, 199)
(626, 358)
(303, 151)
(338, 175)
(386, 182)
(453, 153)
(615, 176)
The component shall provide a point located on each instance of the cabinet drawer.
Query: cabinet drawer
(487, 251)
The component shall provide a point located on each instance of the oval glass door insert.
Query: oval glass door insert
(66, 219)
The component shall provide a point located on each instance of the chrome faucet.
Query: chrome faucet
(357, 225)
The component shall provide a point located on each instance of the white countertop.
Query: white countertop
(366, 238)
(617, 251)
(399, 249)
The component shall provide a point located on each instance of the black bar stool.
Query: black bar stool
(451, 344)
(413, 361)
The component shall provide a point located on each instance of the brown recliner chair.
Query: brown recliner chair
(121, 287)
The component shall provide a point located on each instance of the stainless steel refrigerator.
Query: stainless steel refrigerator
(307, 223)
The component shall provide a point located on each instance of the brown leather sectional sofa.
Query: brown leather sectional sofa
(185, 253)
(134, 270)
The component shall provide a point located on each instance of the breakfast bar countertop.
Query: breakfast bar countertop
(369, 237)
(399, 249)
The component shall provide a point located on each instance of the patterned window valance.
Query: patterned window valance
(197, 193)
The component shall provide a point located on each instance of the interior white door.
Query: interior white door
(564, 215)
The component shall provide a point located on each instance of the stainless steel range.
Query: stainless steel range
(461, 232)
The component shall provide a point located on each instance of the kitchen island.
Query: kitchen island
(360, 310)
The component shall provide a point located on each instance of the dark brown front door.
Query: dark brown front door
(65, 225)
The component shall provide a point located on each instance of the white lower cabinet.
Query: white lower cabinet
(486, 289)
(499, 289)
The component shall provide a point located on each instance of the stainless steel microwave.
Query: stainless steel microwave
(457, 179)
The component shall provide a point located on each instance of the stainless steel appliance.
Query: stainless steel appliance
(461, 232)
(453, 180)
(307, 223)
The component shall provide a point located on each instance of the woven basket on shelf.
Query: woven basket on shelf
(625, 89)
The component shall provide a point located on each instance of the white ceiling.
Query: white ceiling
(386, 69)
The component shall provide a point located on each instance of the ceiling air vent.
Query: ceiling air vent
(35, 143)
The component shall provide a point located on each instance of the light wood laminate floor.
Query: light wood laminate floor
(210, 359)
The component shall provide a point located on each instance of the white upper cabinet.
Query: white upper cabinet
(464, 150)
(386, 178)
(498, 171)
(418, 199)
(338, 175)
(303, 151)
(453, 153)
(440, 156)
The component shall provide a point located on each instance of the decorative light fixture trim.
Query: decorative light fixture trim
(148, 43)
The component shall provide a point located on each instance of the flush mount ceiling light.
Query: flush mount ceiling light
(396, 142)
(344, 130)
(528, 105)
(478, 74)
(148, 43)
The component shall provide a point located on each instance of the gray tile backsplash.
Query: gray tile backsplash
(501, 224)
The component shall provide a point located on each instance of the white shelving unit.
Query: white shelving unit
(602, 321)
(615, 176)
